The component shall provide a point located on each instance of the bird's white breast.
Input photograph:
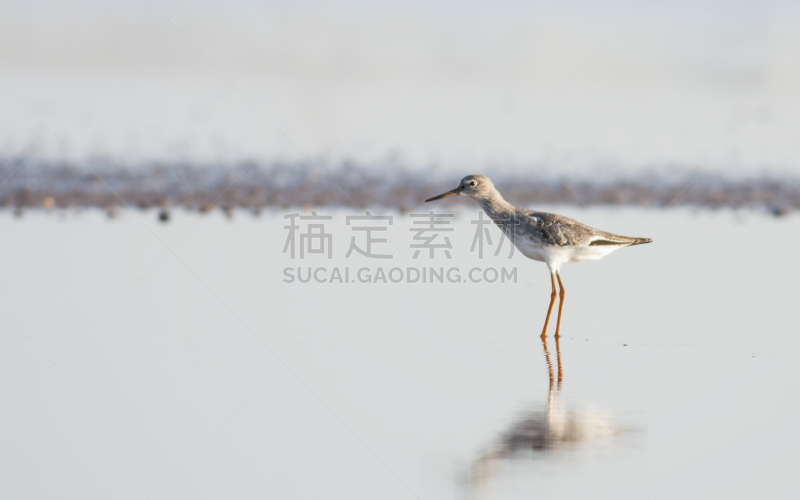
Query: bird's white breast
(531, 250)
(555, 256)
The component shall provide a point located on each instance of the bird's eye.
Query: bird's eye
(473, 183)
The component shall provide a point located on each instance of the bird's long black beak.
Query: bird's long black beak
(453, 192)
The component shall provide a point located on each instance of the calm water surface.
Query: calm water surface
(186, 367)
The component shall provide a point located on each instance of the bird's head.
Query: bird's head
(474, 186)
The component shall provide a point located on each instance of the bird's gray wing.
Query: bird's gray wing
(553, 230)
(558, 230)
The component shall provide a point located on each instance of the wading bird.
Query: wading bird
(549, 238)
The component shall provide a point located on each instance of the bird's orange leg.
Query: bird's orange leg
(552, 302)
(563, 294)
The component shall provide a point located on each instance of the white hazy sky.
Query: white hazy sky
(562, 86)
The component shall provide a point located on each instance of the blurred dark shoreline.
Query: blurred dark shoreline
(284, 185)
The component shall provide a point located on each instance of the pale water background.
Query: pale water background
(565, 87)
(169, 363)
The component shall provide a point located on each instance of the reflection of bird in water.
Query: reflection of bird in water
(544, 432)
(549, 238)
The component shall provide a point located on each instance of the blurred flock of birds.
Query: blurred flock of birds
(283, 185)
